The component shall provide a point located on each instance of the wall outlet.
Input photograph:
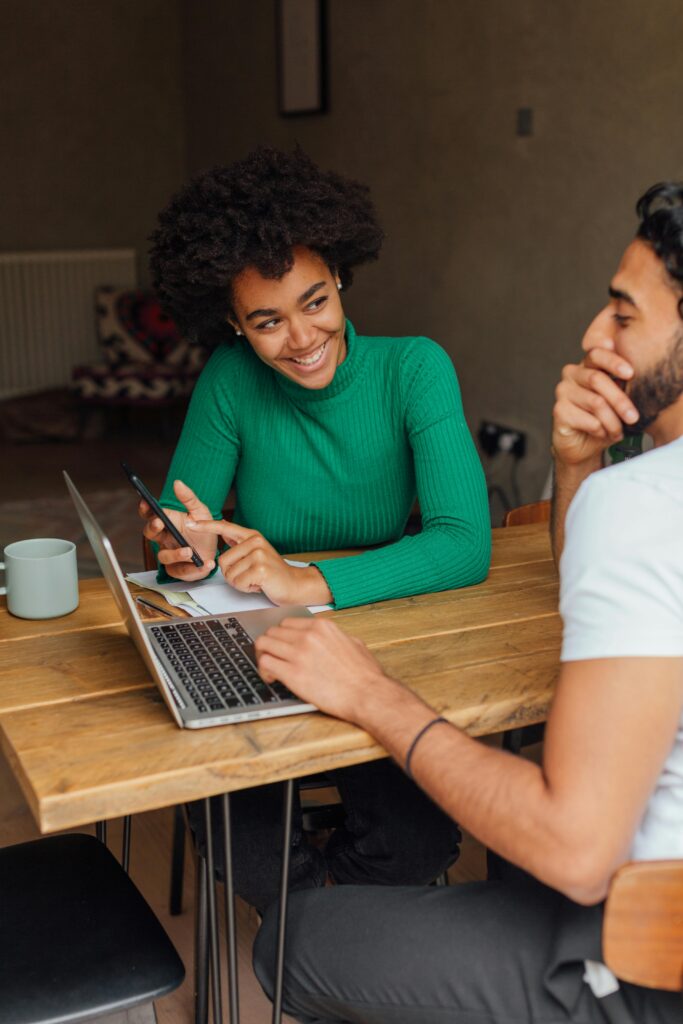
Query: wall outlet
(494, 438)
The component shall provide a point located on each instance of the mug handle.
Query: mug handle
(3, 590)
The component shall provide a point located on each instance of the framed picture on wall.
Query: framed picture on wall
(302, 56)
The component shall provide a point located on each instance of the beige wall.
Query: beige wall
(498, 247)
(92, 116)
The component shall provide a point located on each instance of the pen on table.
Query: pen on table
(156, 607)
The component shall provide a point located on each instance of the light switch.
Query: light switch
(525, 121)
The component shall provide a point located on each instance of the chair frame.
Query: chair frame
(78, 938)
(642, 932)
(525, 515)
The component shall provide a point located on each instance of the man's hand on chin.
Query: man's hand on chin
(323, 666)
(591, 405)
(590, 410)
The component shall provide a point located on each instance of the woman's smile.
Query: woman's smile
(313, 358)
(311, 363)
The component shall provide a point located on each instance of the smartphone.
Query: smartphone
(158, 511)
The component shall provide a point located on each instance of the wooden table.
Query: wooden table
(89, 738)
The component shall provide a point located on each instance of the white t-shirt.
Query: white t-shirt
(621, 596)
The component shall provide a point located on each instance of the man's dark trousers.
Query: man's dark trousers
(508, 952)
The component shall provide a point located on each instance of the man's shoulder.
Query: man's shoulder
(621, 574)
(659, 470)
(627, 503)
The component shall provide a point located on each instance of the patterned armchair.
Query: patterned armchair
(146, 361)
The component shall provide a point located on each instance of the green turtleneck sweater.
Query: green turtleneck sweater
(340, 467)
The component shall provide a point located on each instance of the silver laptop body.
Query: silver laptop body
(204, 666)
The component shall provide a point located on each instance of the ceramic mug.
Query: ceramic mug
(41, 578)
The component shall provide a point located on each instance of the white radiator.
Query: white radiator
(47, 313)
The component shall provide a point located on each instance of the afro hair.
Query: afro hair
(252, 214)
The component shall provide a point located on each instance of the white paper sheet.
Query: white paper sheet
(214, 595)
(175, 593)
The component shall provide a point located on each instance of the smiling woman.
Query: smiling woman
(327, 437)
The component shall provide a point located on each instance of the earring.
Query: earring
(238, 332)
(339, 286)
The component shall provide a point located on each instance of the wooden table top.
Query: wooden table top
(88, 735)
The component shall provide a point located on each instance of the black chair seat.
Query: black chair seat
(77, 939)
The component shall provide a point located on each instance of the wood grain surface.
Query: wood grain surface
(88, 736)
(96, 609)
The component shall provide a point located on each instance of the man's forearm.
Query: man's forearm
(567, 479)
(501, 799)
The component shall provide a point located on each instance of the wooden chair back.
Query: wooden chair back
(642, 934)
(523, 515)
(148, 559)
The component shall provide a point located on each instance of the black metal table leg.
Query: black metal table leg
(101, 831)
(213, 918)
(282, 918)
(201, 951)
(231, 930)
(175, 902)
(125, 851)
(512, 740)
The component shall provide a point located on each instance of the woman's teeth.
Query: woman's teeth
(314, 358)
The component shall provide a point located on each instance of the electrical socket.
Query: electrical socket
(494, 438)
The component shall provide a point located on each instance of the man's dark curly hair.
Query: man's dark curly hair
(252, 214)
(660, 211)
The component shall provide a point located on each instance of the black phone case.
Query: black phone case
(146, 494)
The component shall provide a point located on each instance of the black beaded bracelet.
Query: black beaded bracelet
(411, 748)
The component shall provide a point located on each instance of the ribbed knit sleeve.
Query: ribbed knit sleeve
(454, 547)
(209, 447)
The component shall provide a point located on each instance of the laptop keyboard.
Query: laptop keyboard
(215, 661)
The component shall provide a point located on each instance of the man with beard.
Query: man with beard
(610, 789)
(631, 379)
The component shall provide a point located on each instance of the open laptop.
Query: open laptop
(204, 667)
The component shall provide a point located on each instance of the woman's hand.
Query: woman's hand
(591, 407)
(252, 564)
(322, 665)
(178, 561)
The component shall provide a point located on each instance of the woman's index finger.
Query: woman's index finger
(221, 528)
